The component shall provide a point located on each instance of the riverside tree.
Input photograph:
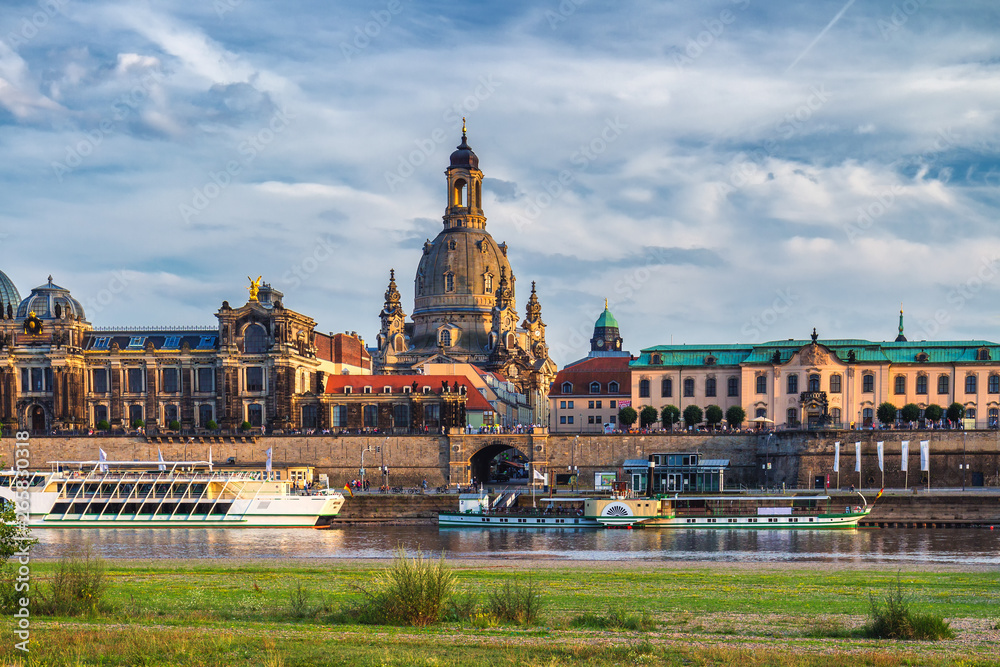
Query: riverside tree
(692, 415)
(735, 416)
(627, 417)
(669, 415)
(647, 416)
(956, 411)
(886, 413)
(911, 412)
(713, 415)
(933, 412)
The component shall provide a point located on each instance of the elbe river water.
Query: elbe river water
(975, 548)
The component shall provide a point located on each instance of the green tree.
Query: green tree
(735, 416)
(175, 425)
(138, 423)
(669, 415)
(211, 425)
(647, 416)
(911, 412)
(933, 412)
(886, 413)
(627, 417)
(103, 425)
(245, 426)
(692, 415)
(713, 415)
(956, 411)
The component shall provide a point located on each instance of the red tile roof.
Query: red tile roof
(595, 369)
(335, 385)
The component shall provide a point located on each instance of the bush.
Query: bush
(174, 425)
(616, 619)
(413, 591)
(211, 425)
(515, 602)
(103, 425)
(890, 617)
(77, 587)
(245, 426)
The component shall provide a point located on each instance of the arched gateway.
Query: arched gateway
(491, 459)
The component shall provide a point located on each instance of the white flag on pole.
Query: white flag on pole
(925, 455)
(906, 455)
(102, 456)
(836, 456)
(268, 464)
(880, 448)
(160, 454)
(539, 475)
(857, 457)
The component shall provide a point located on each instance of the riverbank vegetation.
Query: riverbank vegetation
(503, 613)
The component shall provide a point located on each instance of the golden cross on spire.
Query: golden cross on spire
(605, 303)
(463, 124)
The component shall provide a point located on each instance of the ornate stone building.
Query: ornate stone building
(263, 364)
(464, 300)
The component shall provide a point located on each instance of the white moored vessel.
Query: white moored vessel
(157, 494)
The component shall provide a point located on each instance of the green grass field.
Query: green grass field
(182, 613)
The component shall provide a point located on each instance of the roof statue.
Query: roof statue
(254, 287)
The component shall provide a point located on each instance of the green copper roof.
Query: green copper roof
(606, 320)
(962, 351)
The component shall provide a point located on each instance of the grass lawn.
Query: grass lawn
(242, 613)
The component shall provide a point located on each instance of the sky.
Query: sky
(722, 172)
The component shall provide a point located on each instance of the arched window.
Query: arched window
(900, 384)
(793, 383)
(710, 387)
(567, 387)
(983, 354)
(656, 360)
(793, 416)
(761, 412)
(943, 384)
(460, 193)
(205, 414)
(970, 384)
(643, 388)
(993, 384)
(689, 387)
(835, 415)
(613, 387)
(445, 337)
(733, 386)
(867, 415)
(449, 282)
(595, 387)
(255, 339)
(921, 384)
(970, 413)
(488, 283)
(836, 383)
(814, 382)
(666, 387)
(868, 383)
(994, 415)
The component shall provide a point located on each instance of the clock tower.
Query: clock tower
(606, 337)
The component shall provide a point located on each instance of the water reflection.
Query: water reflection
(896, 546)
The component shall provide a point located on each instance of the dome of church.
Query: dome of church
(606, 320)
(50, 301)
(460, 269)
(464, 157)
(8, 293)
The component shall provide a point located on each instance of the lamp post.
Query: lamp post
(965, 461)
(649, 477)
(363, 452)
(572, 458)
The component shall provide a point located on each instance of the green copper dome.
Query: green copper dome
(606, 320)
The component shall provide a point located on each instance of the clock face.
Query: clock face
(600, 342)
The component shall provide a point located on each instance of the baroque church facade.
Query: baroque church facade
(464, 309)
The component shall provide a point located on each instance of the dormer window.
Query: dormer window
(449, 282)
(136, 342)
(452, 244)
(347, 390)
(595, 387)
(567, 387)
(612, 387)
(445, 338)
(983, 354)
(426, 389)
(710, 360)
(656, 359)
(386, 390)
(101, 343)
(367, 390)
(406, 390)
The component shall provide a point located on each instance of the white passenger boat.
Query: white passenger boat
(157, 494)
(780, 511)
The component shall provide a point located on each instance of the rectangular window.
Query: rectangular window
(613, 405)
(255, 378)
(666, 388)
(970, 384)
(835, 384)
(562, 405)
(100, 380)
(171, 343)
(308, 416)
(136, 385)
(598, 405)
(340, 416)
(643, 388)
(733, 387)
(921, 384)
(590, 419)
(761, 384)
(590, 405)
(688, 387)
(432, 416)
(993, 384)
(401, 415)
(206, 379)
(569, 404)
(570, 419)
(100, 414)
(169, 414)
(371, 416)
(793, 384)
(25, 381)
(171, 384)
(136, 342)
(255, 414)
(613, 419)
(900, 385)
(37, 379)
(710, 387)
(943, 384)
(562, 419)
(205, 414)
(868, 383)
